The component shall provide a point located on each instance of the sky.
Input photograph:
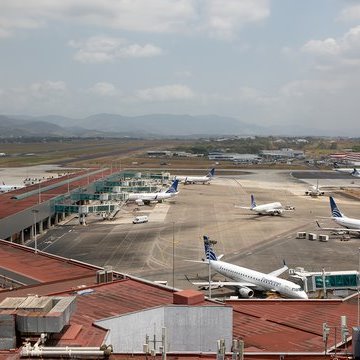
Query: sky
(270, 62)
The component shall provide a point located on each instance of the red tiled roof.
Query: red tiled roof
(264, 325)
(42, 267)
(283, 325)
(50, 287)
(117, 298)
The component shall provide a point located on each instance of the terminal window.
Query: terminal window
(336, 281)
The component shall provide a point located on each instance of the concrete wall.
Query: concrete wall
(23, 219)
(188, 328)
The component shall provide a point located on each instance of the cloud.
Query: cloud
(100, 49)
(183, 74)
(309, 88)
(349, 13)
(103, 89)
(166, 93)
(224, 18)
(347, 45)
(217, 18)
(4, 33)
(47, 88)
(322, 47)
(42, 96)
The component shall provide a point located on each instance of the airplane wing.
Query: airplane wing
(344, 170)
(278, 271)
(205, 261)
(243, 207)
(220, 284)
(340, 230)
(274, 211)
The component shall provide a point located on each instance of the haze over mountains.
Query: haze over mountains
(154, 125)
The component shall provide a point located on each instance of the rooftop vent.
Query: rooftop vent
(105, 275)
(33, 315)
(188, 297)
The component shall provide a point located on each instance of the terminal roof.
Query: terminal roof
(266, 326)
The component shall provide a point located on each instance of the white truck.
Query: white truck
(140, 219)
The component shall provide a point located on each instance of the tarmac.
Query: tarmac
(17, 175)
(161, 248)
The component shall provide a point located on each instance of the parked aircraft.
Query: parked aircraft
(6, 188)
(314, 190)
(350, 225)
(354, 172)
(246, 280)
(146, 198)
(274, 208)
(197, 179)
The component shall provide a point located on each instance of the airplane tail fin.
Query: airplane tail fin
(335, 212)
(173, 187)
(253, 203)
(211, 173)
(209, 251)
(355, 172)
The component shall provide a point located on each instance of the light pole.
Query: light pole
(357, 286)
(173, 255)
(34, 211)
(324, 282)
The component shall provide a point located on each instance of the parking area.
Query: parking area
(176, 228)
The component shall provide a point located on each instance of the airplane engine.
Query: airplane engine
(246, 292)
(139, 202)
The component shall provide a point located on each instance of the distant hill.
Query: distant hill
(147, 126)
(15, 127)
(158, 124)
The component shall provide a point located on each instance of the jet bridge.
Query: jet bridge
(119, 187)
(86, 209)
(99, 197)
(326, 280)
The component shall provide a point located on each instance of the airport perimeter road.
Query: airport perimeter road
(259, 242)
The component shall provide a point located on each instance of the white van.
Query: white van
(140, 219)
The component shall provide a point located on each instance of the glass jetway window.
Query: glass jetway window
(336, 281)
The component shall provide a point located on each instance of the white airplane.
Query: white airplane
(6, 188)
(146, 198)
(314, 190)
(274, 208)
(246, 280)
(197, 179)
(350, 225)
(354, 172)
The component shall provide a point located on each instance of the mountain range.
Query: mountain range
(112, 125)
(145, 126)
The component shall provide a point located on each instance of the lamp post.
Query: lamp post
(34, 211)
(358, 290)
(173, 255)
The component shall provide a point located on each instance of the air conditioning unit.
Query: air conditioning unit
(108, 276)
(100, 277)
(301, 235)
(323, 238)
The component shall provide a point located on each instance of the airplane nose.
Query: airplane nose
(303, 295)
